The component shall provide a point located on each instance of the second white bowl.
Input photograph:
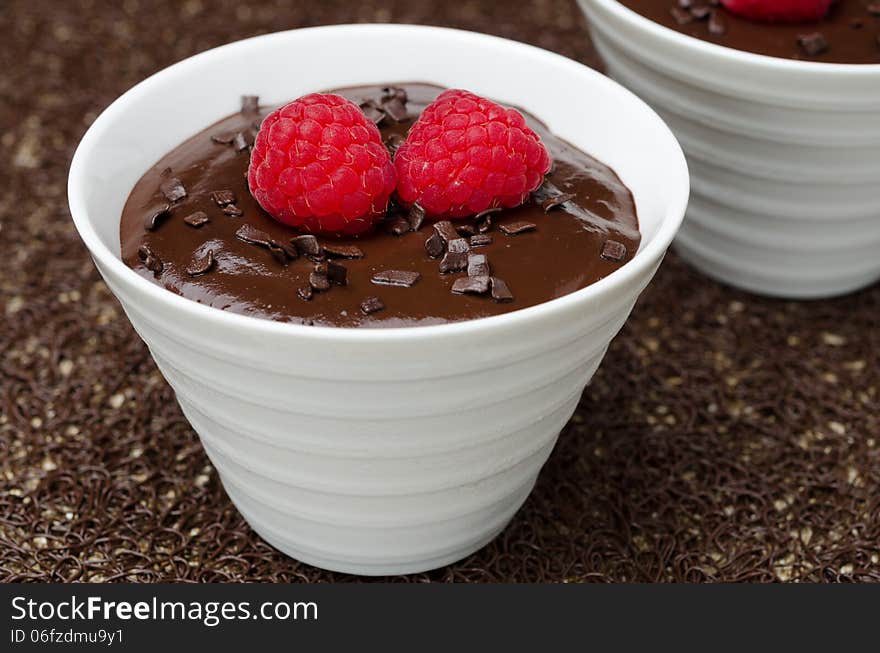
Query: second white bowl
(784, 155)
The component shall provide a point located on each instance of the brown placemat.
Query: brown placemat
(725, 437)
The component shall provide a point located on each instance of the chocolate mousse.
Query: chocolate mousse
(849, 33)
(191, 225)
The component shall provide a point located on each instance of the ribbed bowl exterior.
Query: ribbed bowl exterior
(378, 451)
(393, 458)
(784, 156)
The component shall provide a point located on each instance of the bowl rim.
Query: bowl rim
(637, 267)
(732, 55)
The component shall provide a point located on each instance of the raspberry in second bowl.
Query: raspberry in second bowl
(319, 165)
(467, 154)
(781, 11)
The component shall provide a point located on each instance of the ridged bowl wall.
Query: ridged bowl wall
(378, 451)
(784, 155)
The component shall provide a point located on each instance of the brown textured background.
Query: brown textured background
(725, 437)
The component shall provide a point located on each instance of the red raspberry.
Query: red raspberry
(319, 165)
(779, 11)
(466, 154)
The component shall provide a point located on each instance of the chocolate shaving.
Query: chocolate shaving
(557, 200)
(197, 219)
(717, 25)
(336, 273)
(394, 103)
(372, 305)
(453, 262)
(239, 142)
(343, 251)
(434, 245)
(487, 212)
(445, 230)
(458, 246)
(278, 252)
(223, 197)
(281, 252)
(198, 268)
(395, 109)
(480, 240)
(478, 265)
(701, 13)
(681, 17)
(399, 226)
(518, 227)
(402, 278)
(172, 189)
(874, 8)
(372, 111)
(307, 245)
(156, 217)
(319, 281)
(150, 260)
(252, 235)
(305, 293)
(471, 285)
(250, 103)
(232, 211)
(613, 251)
(223, 139)
(289, 250)
(813, 44)
(154, 264)
(500, 290)
(466, 229)
(483, 219)
(394, 93)
(416, 217)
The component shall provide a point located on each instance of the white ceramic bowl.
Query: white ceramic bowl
(784, 155)
(387, 450)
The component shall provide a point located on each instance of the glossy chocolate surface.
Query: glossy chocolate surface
(851, 30)
(562, 254)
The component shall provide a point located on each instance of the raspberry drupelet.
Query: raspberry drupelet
(779, 11)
